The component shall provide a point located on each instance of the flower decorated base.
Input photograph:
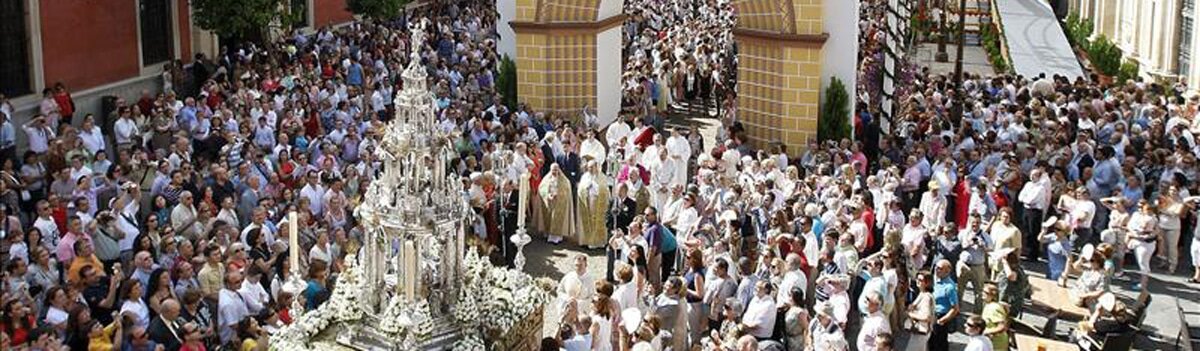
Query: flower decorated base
(363, 336)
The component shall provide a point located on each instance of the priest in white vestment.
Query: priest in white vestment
(680, 151)
(661, 174)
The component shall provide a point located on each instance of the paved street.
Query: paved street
(1036, 43)
(974, 59)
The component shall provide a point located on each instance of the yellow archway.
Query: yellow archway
(563, 58)
(780, 45)
(567, 59)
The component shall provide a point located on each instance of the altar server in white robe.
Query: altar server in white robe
(617, 131)
(661, 174)
(650, 157)
(590, 147)
(730, 160)
(680, 151)
(519, 162)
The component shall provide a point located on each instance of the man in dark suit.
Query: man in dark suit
(165, 329)
(622, 210)
(508, 206)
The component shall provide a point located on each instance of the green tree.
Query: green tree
(376, 9)
(506, 82)
(243, 19)
(834, 120)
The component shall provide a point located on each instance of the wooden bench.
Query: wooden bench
(1047, 293)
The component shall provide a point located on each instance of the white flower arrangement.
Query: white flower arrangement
(501, 296)
(407, 320)
(470, 342)
(341, 307)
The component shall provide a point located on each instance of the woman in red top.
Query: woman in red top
(286, 169)
(962, 200)
(17, 322)
(312, 125)
(66, 105)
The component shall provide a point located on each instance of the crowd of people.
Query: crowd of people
(678, 52)
(875, 239)
(165, 228)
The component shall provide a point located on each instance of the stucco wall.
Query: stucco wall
(608, 75)
(508, 38)
(841, 22)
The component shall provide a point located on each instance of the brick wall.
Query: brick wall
(556, 72)
(778, 91)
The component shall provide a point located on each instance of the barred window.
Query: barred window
(157, 43)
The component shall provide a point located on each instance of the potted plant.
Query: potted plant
(1105, 58)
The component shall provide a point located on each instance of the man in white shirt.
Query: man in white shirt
(874, 324)
(252, 291)
(38, 134)
(232, 306)
(314, 191)
(976, 340)
(794, 278)
(661, 174)
(1083, 211)
(45, 224)
(125, 129)
(184, 217)
(577, 287)
(1035, 197)
(760, 315)
(933, 206)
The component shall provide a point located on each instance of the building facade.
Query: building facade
(1159, 35)
(112, 47)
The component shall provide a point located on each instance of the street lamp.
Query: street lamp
(941, 55)
(956, 112)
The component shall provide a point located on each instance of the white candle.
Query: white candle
(522, 199)
(410, 270)
(293, 241)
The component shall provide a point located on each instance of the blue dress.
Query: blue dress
(1057, 252)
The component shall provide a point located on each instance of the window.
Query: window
(14, 49)
(300, 13)
(157, 41)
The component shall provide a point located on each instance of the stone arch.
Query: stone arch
(567, 10)
(766, 15)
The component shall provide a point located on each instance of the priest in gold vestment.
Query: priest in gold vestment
(555, 192)
(593, 205)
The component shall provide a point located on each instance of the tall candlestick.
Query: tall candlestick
(293, 241)
(522, 199)
(410, 270)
